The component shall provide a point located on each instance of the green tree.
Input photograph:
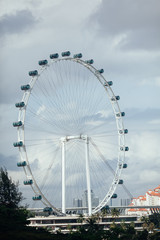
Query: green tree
(80, 219)
(155, 218)
(11, 217)
(104, 211)
(115, 231)
(69, 228)
(151, 227)
(92, 223)
(115, 213)
(9, 192)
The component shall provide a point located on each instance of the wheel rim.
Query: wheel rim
(69, 98)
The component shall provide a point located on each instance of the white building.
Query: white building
(151, 198)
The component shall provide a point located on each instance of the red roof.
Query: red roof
(139, 209)
(154, 194)
(157, 188)
(131, 204)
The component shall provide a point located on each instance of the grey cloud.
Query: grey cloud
(138, 20)
(138, 120)
(16, 23)
(8, 162)
(141, 114)
(35, 164)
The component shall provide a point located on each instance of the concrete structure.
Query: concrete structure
(63, 223)
(151, 198)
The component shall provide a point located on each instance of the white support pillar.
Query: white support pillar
(88, 177)
(63, 179)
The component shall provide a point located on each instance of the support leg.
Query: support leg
(88, 178)
(63, 179)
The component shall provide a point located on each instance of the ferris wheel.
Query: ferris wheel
(71, 136)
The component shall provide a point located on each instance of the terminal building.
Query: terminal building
(55, 223)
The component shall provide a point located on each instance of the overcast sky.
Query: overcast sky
(123, 38)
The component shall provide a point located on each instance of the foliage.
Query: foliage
(155, 218)
(9, 193)
(115, 212)
(92, 224)
(104, 211)
(80, 219)
(11, 218)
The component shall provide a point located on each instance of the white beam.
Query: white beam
(88, 177)
(63, 179)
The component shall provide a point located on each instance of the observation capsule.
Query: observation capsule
(25, 87)
(17, 124)
(125, 165)
(114, 195)
(120, 181)
(66, 54)
(124, 148)
(125, 131)
(47, 209)
(28, 182)
(54, 55)
(101, 71)
(18, 144)
(37, 197)
(42, 62)
(90, 61)
(33, 73)
(21, 164)
(106, 207)
(110, 83)
(78, 55)
(20, 104)
(122, 114)
(115, 98)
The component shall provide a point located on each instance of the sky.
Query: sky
(123, 38)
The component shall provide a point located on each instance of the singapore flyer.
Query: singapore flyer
(71, 135)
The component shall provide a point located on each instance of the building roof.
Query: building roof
(157, 188)
(153, 194)
(139, 209)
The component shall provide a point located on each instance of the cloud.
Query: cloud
(134, 23)
(143, 160)
(41, 109)
(153, 176)
(16, 23)
(35, 165)
(149, 82)
(145, 146)
(9, 162)
(155, 122)
(142, 118)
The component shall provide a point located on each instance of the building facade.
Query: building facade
(151, 198)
